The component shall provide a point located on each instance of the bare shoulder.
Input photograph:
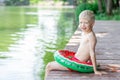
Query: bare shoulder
(92, 36)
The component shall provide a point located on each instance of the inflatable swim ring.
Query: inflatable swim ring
(63, 57)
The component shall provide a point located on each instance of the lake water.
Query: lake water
(29, 37)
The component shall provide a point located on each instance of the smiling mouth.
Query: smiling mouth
(83, 28)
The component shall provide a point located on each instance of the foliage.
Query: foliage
(94, 7)
(34, 1)
(64, 0)
(104, 16)
(20, 2)
(16, 2)
(56, 0)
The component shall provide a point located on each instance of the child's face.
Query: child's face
(85, 25)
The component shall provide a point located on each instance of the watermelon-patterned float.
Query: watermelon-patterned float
(64, 57)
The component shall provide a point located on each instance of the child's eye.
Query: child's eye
(86, 22)
(83, 23)
(80, 22)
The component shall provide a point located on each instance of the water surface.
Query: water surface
(28, 39)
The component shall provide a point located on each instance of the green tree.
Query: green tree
(108, 6)
(16, 2)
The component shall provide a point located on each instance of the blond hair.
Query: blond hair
(87, 14)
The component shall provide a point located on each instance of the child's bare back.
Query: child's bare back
(83, 53)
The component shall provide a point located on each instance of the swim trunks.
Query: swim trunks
(76, 60)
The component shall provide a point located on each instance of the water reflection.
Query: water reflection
(31, 46)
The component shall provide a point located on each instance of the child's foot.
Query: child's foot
(113, 69)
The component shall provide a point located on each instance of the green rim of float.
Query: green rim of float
(85, 68)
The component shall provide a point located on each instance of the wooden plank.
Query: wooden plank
(108, 61)
(67, 75)
(108, 57)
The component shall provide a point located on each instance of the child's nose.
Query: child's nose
(82, 24)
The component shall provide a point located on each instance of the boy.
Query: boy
(86, 50)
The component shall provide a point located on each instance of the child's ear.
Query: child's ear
(92, 24)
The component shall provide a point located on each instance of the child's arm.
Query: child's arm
(92, 44)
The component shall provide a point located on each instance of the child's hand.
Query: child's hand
(100, 72)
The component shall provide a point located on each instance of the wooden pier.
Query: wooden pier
(107, 50)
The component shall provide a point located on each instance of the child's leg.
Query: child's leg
(54, 66)
(113, 67)
(110, 67)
